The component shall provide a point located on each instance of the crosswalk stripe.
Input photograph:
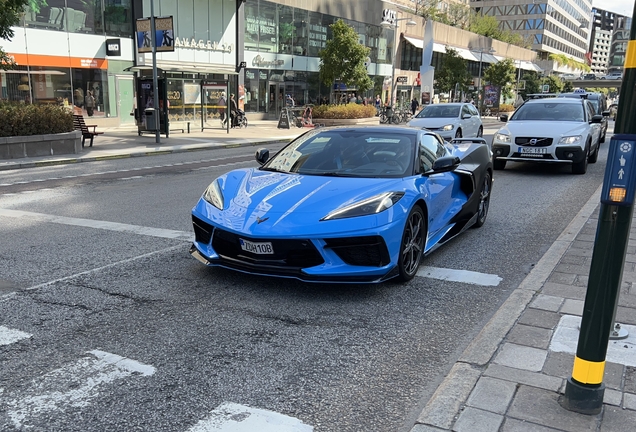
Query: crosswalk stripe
(9, 336)
(73, 385)
(464, 276)
(231, 417)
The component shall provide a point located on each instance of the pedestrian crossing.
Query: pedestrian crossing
(77, 384)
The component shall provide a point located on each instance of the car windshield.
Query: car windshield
(550, 111)
(439, 111)
(347, 153)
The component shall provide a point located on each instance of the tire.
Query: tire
(480, 132)
(244, 123)
(499, 164)
(602, 138)
(484, 201)
(383, 118)
(592, 158)
(412, 245)
(581, 167)
(458, 134)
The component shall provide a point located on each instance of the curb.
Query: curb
(446, 403)
(163, 151)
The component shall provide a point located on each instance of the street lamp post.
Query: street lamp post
(394, 25)
(481, 52)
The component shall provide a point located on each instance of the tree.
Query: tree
(10, 14)
(502, 74)
(533, 84)
(343, 59)
(555, 83)
(487, 25)
(453, 71)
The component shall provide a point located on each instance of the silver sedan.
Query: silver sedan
(450, 120)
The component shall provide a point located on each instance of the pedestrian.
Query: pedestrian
(289, 101)
(414, 106)
(353, 98)
(89, 103)
(222, 103)
(233, 110)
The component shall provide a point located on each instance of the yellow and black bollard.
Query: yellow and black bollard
(584, 391)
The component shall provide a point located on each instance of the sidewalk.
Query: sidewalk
(124, 142)
(512, 375)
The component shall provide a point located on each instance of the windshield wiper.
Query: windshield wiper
(336, 174)
(273, 170)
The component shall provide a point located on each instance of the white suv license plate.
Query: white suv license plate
(533, 150)
(264, 248)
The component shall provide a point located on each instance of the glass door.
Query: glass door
(276, 100)
(125, 99)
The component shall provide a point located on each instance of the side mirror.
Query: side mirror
(503, 118)
(466, 116)
(606, 113)
(445, 164)
(596, 119)
(262, 155)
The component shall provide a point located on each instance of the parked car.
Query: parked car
(599, 101)
(450, 120)
(589, 76)
(349, 204)
(613, 76)
(556, 131)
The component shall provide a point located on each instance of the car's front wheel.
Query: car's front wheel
(581, 167)
(484, 201)
(412, 246)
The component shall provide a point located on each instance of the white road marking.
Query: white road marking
(9, 336)
(98, 269)
(90, 223)
(231, 417)
(463, 276)
(73, 385)
(566, 338)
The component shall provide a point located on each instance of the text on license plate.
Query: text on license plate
(533, 150)
(264, 248)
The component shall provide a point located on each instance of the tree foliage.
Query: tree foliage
(453, 71)
(563, 60)
(502, 74)
(487, 25)
(10, 14)
(343, 59)
(533, 84)
(555, 83)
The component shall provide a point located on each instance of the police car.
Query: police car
(555, 130)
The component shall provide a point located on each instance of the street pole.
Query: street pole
(155, 81)
(481, 88)
(584, 391)
(394, 55)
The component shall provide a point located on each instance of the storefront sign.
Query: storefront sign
(200, 44)
(259, 61)
(250, 74)
(262, 75)
(264, 26)
(113, 47)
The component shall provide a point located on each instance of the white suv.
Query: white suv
(613, 76)
(564, 131)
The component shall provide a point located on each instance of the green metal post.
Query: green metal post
(584, 391)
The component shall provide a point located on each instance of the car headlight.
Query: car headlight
(575, 139)
(366, 207)
(448, 127)
(213, 195)
(502, 138)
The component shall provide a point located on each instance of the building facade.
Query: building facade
(601, 34)
(618, 48)
(550, 26)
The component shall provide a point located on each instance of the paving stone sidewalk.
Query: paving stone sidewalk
(512, 375)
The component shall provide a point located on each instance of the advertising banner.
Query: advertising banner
(164, 34)
(492, 94)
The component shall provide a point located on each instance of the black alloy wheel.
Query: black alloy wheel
(484, 201)
(412, 246)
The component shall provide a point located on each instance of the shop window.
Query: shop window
(286, 30)
(301, 23)
(251, 90)
(118, 18)
(251, 26)
(267, 32)
(317, 38)
(90, 82)
(48, 15)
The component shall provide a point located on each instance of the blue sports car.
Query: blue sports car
(361, 204)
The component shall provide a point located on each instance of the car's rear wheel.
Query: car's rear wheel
(581, 167)
(484, 201)
(458, 134)
(480, 132)
(592, 158)
(498, 164)
(412, 246)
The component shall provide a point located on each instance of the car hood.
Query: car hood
(432, 123)
(544, 128)
(262, 202)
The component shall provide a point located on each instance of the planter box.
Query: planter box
(40, 145)
(348, 122)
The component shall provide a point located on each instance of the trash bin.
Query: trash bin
(151, 124)
(389, 113)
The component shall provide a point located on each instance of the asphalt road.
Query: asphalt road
(94, 260)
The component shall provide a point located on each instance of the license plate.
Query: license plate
(264, 248)
(533, 150)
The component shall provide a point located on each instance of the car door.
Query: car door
(476, 118)
(595, 128)
(467, 123)
(436, 189)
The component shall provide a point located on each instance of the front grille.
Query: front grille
(287, 253)
(541, 142)
(202, 230)
(370, 251)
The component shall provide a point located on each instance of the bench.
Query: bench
(80, 125)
